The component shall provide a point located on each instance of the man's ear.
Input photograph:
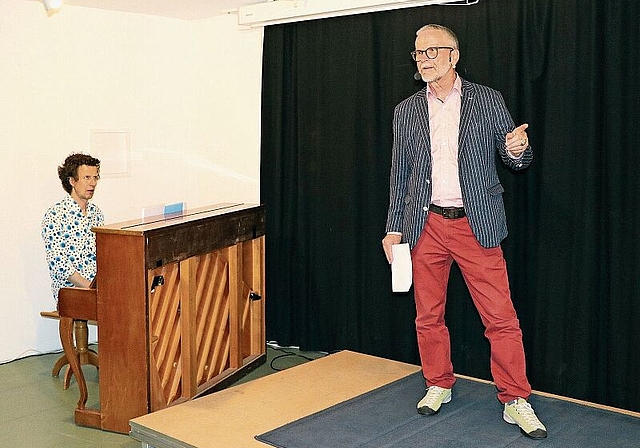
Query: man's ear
(454, 57)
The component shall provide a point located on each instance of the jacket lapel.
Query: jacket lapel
(423, 124)
(467, 109)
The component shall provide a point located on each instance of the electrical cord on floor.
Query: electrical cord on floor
(285, 354)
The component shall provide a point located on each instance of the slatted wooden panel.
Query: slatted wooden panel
(164, 327)
(212, 327)
(212, 321)
(192, 345)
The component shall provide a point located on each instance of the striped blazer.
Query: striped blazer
(484, 123)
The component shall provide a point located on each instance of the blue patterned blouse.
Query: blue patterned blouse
(69, 243)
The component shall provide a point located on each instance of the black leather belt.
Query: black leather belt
(448, 212)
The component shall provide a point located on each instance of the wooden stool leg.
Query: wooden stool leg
(60, 363)
(62, 360)
(93, 359)
(85, 354)
(67, 378)
(81, 332)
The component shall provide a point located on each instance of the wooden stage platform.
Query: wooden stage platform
(234, 416)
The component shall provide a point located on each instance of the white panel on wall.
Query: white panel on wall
(112, 148)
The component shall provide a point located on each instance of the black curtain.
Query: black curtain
(565, 67)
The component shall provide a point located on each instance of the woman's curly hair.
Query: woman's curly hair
(70, 168)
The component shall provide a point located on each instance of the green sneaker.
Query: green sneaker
(435, 397)
(519, 412)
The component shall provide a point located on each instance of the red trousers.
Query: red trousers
(485, 272)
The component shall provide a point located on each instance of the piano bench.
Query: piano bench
(84, 353)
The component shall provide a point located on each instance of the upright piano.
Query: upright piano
(179, 303)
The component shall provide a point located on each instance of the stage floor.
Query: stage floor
(234, 416)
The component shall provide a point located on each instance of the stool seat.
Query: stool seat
(85, 355)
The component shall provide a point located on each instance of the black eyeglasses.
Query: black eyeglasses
(430, 53)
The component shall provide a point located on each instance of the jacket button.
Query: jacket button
(425, 209)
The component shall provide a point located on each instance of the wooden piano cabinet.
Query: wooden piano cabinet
(180, 307)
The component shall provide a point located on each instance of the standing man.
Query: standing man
(446, 202)
(69, 243)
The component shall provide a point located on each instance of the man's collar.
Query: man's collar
(71, 202)
(457, 86)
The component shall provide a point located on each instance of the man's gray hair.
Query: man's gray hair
(434, 26)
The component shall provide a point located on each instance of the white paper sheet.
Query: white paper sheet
(401, 277)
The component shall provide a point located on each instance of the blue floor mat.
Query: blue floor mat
(386, 418)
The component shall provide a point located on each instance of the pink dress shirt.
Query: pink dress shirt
(444, 123)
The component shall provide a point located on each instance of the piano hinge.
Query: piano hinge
(158, 280)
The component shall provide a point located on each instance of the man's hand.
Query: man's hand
(517, 141)
(387, 242)
(79, 281)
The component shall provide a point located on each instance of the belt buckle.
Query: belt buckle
(448, 213)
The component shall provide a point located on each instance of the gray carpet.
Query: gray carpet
(387, 417)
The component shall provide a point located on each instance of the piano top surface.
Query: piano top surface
(141, 225)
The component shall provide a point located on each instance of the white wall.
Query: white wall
(189, 92)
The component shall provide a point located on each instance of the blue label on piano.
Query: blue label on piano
(174, 209)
